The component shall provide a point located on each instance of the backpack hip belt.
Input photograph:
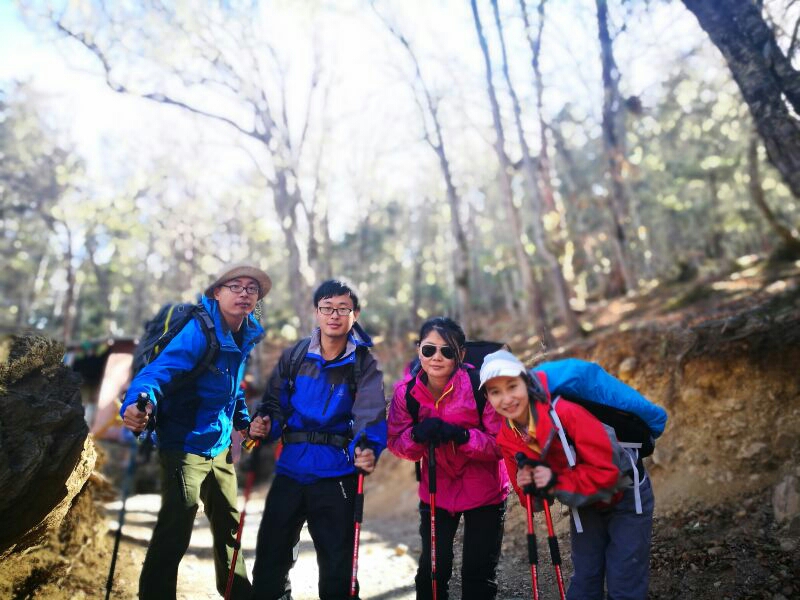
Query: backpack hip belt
(316, 437)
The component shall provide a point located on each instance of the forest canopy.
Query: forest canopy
(464, 158)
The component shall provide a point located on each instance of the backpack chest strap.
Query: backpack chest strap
(316, 437)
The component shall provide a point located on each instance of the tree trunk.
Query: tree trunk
(27, 308)
(714, 245)
(319, 234)
(535, 42)
(613, 146)
(461, 254)
(534, 309)
(435, 139)
(285, 206)
(481, 295)
(765, 76)
(561, 292)
(416, 273)
(101, 274)
(509, 295)
(68, 306)
(789, 239)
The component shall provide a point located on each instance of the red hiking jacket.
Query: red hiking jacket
(594, 477)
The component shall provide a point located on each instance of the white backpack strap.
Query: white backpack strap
(562, 436)
(632, 450)
(576, 517)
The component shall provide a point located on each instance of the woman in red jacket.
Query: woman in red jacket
(613, 547)
(471, 479)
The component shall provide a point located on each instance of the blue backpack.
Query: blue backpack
(632, 416)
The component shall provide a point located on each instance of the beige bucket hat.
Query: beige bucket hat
(241, 270)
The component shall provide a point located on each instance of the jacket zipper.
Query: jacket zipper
(328, 399)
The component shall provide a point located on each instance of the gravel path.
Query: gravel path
(386, 569)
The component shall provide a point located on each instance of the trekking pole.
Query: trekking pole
(252, 466)
(432, 491)
(358, 517)
(552, 541)
(533, 557)
(141, 405)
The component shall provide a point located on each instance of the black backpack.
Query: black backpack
(628, 427)
(475, 352)
(162, 329)
(298, 353)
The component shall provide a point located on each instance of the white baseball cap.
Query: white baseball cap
(500, 364)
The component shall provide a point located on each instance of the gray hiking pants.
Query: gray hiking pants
(614, 548)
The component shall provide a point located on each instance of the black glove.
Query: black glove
(454, 433)
(428, 430)
(543, 492)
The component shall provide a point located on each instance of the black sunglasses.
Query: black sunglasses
(429, 350)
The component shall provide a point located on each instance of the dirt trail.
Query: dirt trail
(383, 572)
(390, 545)
(387, 557)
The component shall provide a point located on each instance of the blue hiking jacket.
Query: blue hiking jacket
(322, 401)
(587, 380)
(198, 418)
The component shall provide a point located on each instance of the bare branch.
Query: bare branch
(267, 179)
(793, 42)
(153, 96)
(311, 90)
(286, 134)
(418, 73)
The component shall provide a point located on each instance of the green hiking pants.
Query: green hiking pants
(186, 479)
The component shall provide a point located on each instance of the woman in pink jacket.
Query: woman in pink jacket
(471, 478)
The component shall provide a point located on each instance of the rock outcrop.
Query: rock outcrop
(46, 455)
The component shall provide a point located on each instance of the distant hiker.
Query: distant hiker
(471, 479)
(325, 392)
(193, 425)
(612, 521)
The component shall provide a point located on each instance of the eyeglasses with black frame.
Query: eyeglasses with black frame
(342, 311)
(428, 350)
(237, 289)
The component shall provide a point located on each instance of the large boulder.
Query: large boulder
(46, 455)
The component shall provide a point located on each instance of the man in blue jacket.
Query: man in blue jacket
(194, 423)
(324, 400)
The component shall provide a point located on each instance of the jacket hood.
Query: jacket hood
(360, 336)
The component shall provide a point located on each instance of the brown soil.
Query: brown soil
(719, 353)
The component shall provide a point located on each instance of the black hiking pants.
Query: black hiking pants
(328, 506)
(483, 537)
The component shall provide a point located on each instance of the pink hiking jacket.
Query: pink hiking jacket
(467, 476)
